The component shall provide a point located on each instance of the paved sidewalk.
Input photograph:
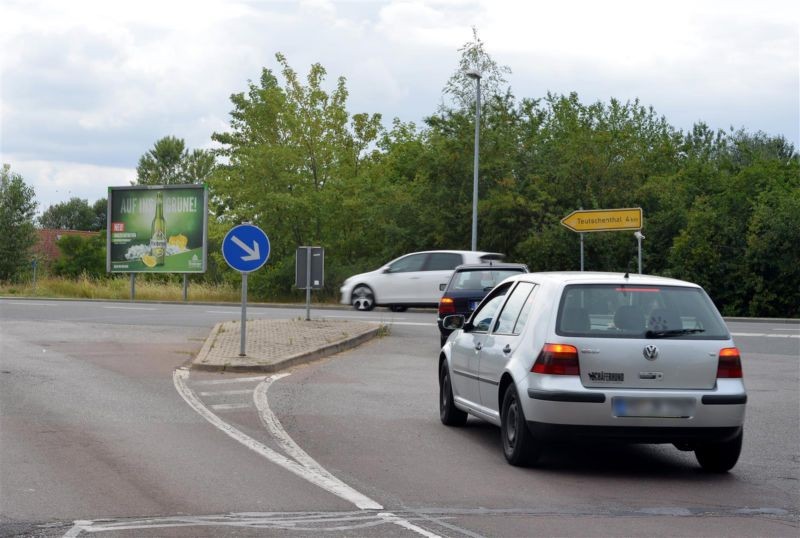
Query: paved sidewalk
(273, 345)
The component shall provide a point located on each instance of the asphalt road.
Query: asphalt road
(97, 427)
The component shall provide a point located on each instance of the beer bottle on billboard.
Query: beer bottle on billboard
(158, 237)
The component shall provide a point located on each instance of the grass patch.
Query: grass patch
(119, 288)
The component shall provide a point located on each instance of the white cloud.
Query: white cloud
(95, 84)
(57, 181)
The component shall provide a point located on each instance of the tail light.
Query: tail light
(446, 306)
(730, 363)
(557, 359)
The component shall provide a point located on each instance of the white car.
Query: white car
(580, 355)
(410, 280)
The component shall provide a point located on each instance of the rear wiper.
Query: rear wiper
(672, 332)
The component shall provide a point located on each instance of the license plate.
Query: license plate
(652, 407)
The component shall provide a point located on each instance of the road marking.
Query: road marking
(232, 380)
(128, 308)
(223, 311)
(306, 523)
(767, 335)
(226, 392)
(179, 378)
(429, 324)
(227, 407)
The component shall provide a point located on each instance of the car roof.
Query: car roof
(479, 253)
(491, 265)
(597, 277)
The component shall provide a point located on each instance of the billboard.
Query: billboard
(157, 229)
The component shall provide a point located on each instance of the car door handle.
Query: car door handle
(507, 349)
(478, 346)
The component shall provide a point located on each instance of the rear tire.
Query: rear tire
(719, 457)
(449, 414)
(363, 298)
(519, 446)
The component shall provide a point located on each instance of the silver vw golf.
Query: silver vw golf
(572, 355)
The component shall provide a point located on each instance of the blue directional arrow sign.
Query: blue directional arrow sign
(245, 248)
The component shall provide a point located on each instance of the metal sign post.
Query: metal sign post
(309, 272)
(243, 332)
(246, 249)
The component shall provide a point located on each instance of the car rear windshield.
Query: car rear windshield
(638, 311)
(480, 279)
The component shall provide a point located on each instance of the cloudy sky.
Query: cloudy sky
(88, 86)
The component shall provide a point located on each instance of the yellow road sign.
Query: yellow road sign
(604, 220)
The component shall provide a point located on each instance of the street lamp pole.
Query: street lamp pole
(474, 74)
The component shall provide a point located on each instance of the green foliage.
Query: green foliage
(18, 236)
(170, 163)
(717, 205)
(81, 256)
(75, 214)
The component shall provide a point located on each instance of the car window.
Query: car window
(525, 312)
(507, 319)
(443, 261)
(480, 279)
(482, 317)
(412, 262)
(638, 311)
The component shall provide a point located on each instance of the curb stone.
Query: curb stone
(273, 345)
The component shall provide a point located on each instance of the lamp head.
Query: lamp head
(473, 73)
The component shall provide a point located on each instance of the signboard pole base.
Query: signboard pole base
(243, 338)
(133, 286)
(185, 287)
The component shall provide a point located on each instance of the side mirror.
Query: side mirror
(453, 322)
(387, 270)
(442, 286)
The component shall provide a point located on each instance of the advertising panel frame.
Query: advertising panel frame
(115, 194)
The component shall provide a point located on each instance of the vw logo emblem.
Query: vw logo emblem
(650, 352)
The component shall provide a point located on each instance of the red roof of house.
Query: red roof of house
(46, 248)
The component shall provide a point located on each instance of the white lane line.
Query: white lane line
(179, 377)
(391, 518)
(128, 308)
(78, 526)
(227, 407)
(232, 380)
(767, 335)
(275, 427)
(794, 330)
(225, 392)
(373, 318)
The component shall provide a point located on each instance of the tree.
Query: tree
(299, 166)
(76, 214)
(100, 209)
(81, 255)
(475, 58)
(170, 163)
(18, 236)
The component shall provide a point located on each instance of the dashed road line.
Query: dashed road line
(230, 406)
(231, 380)
(128, 308)
(226, 392)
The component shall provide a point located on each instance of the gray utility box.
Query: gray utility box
(313, 272)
